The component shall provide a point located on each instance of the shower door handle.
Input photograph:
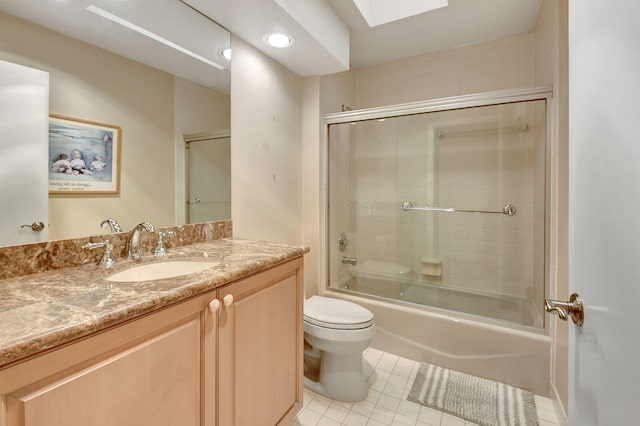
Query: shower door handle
(573, 308)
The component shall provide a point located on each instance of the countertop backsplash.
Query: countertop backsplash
(33, 258)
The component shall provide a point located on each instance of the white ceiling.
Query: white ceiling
(330, 34)
(169, 19)
(463, 22)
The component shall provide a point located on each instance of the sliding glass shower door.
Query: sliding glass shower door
(445, 209)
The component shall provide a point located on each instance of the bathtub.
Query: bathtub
(511, 309)
(497, 350)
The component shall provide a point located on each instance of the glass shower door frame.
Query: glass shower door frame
(445, 104)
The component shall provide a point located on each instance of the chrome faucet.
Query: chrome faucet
(134, 252)
(111, 223)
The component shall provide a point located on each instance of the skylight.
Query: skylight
(378, 12)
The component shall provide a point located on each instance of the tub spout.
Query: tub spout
(349, 260)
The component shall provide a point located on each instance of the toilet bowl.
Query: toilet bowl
(336, 332)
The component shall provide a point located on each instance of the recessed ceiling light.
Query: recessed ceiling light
(226, 53)
(278, 39)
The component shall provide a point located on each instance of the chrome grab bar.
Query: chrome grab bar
(508, 209)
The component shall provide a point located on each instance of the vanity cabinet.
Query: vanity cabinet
(228, 357)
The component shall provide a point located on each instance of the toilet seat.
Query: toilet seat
(336, 314)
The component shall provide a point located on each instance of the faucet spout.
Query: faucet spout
(134, 251)
(112, 224)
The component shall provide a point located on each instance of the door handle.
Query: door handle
(573, 308)
(35, 226)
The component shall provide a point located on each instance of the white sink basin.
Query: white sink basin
(165, 269)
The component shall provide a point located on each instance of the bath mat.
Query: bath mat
(482, 401)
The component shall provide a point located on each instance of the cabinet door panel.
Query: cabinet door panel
(261, 352)
(155, 383)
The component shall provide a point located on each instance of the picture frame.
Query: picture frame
(84, 156)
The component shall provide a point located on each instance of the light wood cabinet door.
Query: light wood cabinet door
(154, 383)
(260, 344)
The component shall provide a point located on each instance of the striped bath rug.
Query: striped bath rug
(482, 401)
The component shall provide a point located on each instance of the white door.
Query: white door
(604, 211)
(24, 133)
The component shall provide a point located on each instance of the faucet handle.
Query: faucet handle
(107, 258)
(160, 249)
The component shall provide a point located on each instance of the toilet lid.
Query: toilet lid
(336, 313)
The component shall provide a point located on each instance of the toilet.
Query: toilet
(336, 332)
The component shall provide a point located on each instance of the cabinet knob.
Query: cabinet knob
(228, 300)
(214, 305)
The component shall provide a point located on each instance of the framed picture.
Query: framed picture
(84, 156)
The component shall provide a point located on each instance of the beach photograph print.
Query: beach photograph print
(84, 156)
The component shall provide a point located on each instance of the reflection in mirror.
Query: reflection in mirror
(208, 177)
(154, 93)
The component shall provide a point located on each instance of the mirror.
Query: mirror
(103, 71)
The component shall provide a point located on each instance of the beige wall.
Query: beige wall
(337, 90)
(506, 63)
(276, 131)
(200, 109)
(93, 84)
(311, 132)
(266, 153)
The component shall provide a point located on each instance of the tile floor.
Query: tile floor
(387, 401)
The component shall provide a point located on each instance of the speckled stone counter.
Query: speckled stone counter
(39, 257)
(43, 310)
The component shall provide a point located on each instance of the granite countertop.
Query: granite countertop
(43, 310)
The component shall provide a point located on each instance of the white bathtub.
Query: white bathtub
(509, 353)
